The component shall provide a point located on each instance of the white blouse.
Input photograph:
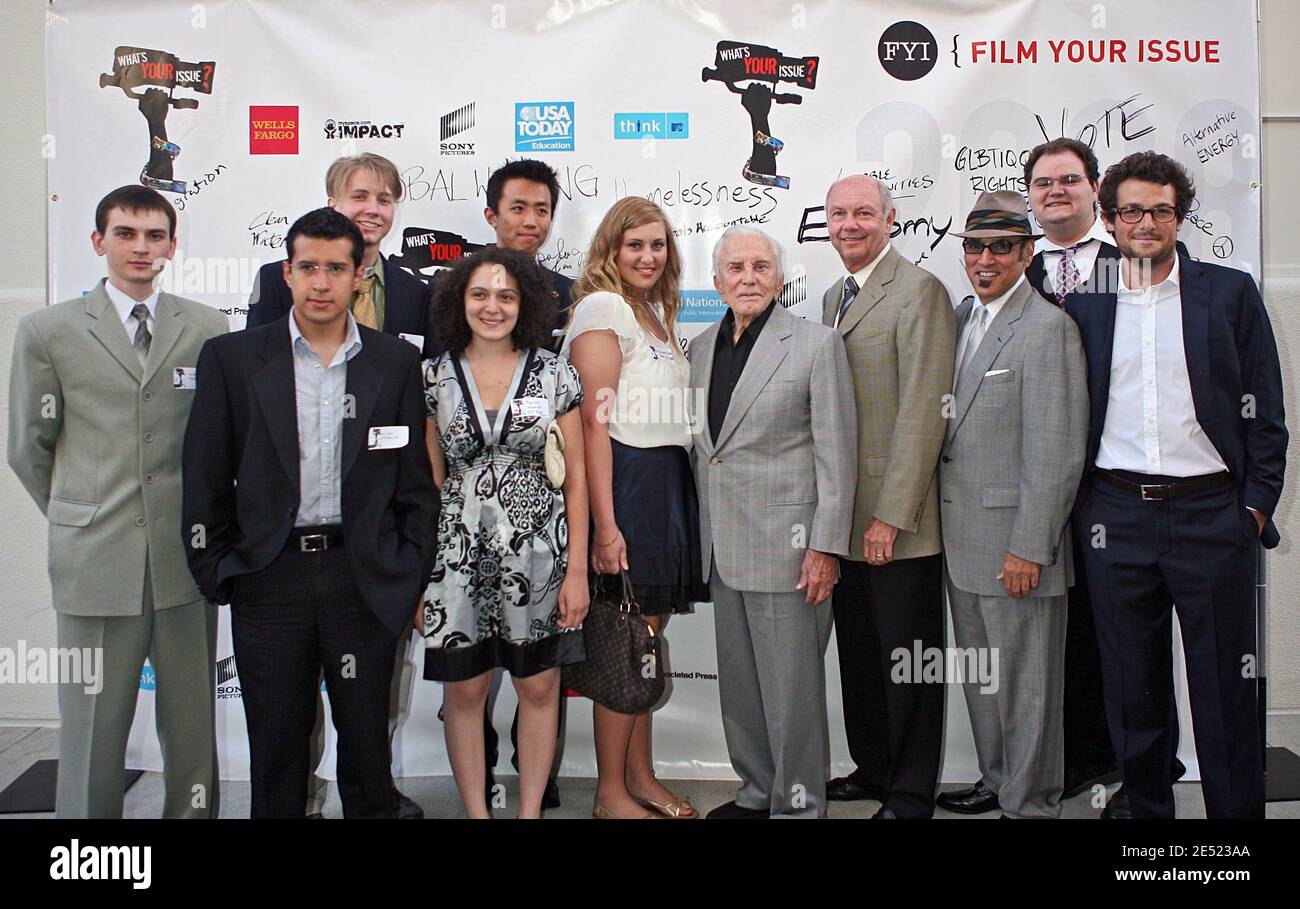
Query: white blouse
(650, 408)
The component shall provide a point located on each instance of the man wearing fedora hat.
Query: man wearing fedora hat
(1008, 472)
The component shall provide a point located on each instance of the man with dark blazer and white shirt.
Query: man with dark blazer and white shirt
(99, 393)
(1186, 453)
(1007, 478)
(314, 507)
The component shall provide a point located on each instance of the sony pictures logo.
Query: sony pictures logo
(908, 50)
(453, 124)
(544, 126)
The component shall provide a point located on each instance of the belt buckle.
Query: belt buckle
(1151, 498)
(313, 542)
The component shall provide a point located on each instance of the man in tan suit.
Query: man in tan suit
(898, 328)
(99, 394)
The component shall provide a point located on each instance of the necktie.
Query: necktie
(142, 337)
(973, 340)
(850, 291)
(1067, 273)
(363, 304)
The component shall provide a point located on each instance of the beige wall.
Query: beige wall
(24, 591)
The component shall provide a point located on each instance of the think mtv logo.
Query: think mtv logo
(640, 125)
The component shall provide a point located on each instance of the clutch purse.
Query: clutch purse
(623, 670)
(553, 455)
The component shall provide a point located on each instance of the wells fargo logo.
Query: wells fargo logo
(273, 129)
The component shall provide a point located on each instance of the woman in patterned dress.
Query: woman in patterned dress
(509, 585)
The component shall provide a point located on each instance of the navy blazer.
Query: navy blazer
(1232, 365)
(405, 299)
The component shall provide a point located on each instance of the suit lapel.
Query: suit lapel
(363, 385)
(701, 380)
(995, 338)
(169, 323)
(872, 293)
(769, 350)
(1195, 294)
(277, 394)
(108, 330)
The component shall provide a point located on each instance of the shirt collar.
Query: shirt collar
(752, 329)
(863, 274)
(351, 343)
(1172, 279)
(124, 304)
(1096, 232)
(376, 271)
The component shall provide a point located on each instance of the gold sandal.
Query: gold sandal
(601, 813)
(674, 810)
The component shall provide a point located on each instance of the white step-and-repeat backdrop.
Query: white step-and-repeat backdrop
(940, 99)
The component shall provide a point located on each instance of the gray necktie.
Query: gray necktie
(846, 300)
(981, 316)
(142, 337)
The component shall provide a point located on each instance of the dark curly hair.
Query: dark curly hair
(537, 311)
(1150, 167)
(1064, 144)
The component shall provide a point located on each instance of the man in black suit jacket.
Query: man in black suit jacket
(309, 505)
(1186, 453)
(366, 188)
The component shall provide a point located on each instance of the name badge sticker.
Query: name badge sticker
(531, 408)
(417, 340)
(185, 377)
(379, 438)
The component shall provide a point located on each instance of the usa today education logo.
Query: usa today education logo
(544, 126)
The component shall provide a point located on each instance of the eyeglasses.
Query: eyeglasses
(1133, 215)
(1064, 180)
(997, 247)
(311, 269)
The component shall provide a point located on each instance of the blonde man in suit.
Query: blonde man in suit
(99, 395)
(897, 324)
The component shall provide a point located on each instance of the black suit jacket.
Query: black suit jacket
(405, 299)
(1231, 354)
(241, 468)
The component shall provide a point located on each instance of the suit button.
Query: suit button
(148, 478)
(946, 459)
(714, 461)
(148, 437)
(148, 395)
(140, 522)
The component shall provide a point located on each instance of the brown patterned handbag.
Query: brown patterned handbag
(623, 670)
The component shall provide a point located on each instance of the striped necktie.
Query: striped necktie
(142, 336)
(846, 300)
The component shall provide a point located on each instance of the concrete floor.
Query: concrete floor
(21, 746)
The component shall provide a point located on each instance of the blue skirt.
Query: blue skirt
(658, 514)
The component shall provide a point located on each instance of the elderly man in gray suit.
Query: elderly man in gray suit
(775, 451)
(1010, 467)
(99, 395)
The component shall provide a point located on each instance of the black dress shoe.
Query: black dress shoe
(405, 808)
(847, 789)
(1117, 809)
(732, 811)
(885, 813)
(1081, 779)
(551, 794)
(975, 800)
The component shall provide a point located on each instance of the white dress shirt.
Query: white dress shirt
(861, 276)
(1085, 257)
(1151, 424)
(124, 304)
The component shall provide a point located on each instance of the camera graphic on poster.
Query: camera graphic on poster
(763, 68)
(154, 70)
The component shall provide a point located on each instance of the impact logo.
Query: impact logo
(544, 126)
(907, 50)
(362, 129)
(453, 124)
(426, 251)
(134, 67)
(273, 129)
(652, 126)
(763, 68)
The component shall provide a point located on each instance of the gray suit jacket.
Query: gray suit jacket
(1015, 447)
(780, 479)
(96, 440)
(899, 334)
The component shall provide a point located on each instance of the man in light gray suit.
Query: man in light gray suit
(775, 451)
(1011, 463)
(99, 395)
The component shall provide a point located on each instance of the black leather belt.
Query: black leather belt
(317, 539)
(1163, 492)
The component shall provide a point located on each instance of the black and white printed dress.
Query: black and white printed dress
(493, 597)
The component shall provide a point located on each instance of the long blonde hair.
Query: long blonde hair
(601, 271)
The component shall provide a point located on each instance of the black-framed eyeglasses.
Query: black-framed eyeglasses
(1000, 247)
(1064, 180)
(1162, 214)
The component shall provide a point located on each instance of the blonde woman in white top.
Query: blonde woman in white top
(645, 521)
